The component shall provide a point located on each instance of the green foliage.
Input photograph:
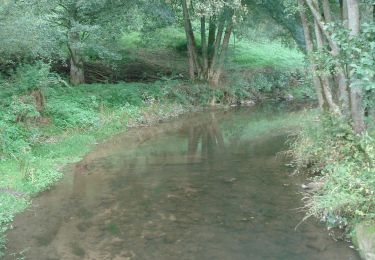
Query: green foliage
(18, 108)
(358, 52)
(266, 54)
(33, 77)
(27, 78)
(24, 36)
(344, 164)
(13, 139)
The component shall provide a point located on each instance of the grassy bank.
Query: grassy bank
(34, 150)
(341, 168)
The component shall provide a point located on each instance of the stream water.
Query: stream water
(210, 185)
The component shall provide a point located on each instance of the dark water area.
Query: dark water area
(211, 185)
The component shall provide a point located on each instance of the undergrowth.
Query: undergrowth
(342, 164)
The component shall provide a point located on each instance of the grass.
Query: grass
(255, 55)
(343, 163)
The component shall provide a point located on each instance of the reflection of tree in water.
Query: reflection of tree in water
(207, 134)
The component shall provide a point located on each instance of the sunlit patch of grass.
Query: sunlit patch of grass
(274, 55)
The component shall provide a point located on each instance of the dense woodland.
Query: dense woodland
(73, 72)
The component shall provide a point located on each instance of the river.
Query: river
(209, 185)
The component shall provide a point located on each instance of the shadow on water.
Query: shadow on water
(206, 186)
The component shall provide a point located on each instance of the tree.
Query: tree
(276, 10)
(78, 21)
(24, 36)
(356, 93)
(309, 50)
(343, 45)
(221, 17)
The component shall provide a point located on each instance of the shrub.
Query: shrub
(19, 108)
(13, 139)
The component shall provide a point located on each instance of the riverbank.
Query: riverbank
(340, 169)
(75, 119)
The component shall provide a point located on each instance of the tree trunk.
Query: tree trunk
(216, 48)
(343, 97)
(356, 94)
(219, 66)
(192, 53)
(204, 46)
(335, 51)
(327, 11)
(211, 39)
(344, 11)
(77, 74)
(320, 22)
(309, 50)
(324, 78)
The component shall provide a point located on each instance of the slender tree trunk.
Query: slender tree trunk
(211, 39)
(371, 95)
(219, 67)
(216, 49)
(320, 22)
(77, 74)
(324, 78)
(335, 51)
(327, 11)
(192, 53)
(342, 71)
(309, 50)
(344, 11)
(343, 94)
(204, 46)
(356, 92)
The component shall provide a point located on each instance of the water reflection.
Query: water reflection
(191, 189)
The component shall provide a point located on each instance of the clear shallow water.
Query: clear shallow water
(206, 186)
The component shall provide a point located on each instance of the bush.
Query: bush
(37, 76)
(19, 107)
(14, 139)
